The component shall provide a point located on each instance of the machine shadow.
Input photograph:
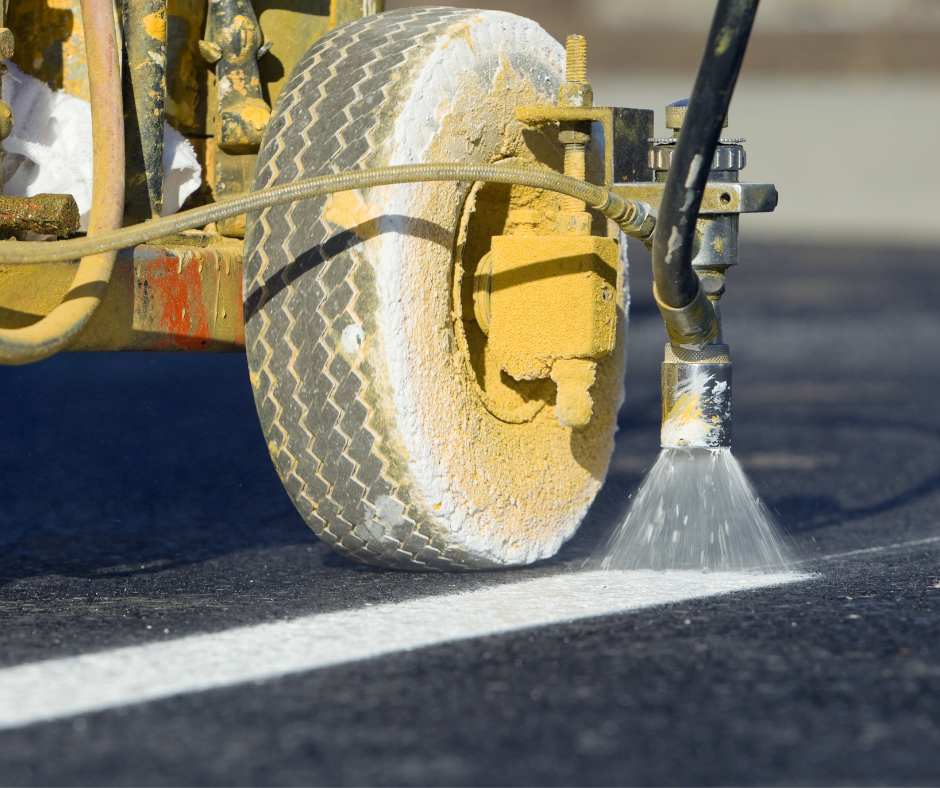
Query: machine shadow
(134, 463)
(116, 464)
(336, 244)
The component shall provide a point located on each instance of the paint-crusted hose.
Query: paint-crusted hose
(682, 302)
(62, 325)
(636, 218)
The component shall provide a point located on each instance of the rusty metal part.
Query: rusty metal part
(144, 86)
(44, 214)
(570, 283)
(696, 398)
(65, 322)
(232, 41)
(693, 326)
(162, 299)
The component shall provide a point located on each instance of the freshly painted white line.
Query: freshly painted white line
(48, 690)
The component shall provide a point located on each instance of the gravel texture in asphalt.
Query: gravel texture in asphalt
(138, 503)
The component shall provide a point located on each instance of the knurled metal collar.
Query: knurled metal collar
(674, 140)
(710, 354)
(730, 158)
(675, 114)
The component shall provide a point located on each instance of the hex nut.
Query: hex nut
(576, 94)
(569, 136)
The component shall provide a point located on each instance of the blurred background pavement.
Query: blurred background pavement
(839, 102)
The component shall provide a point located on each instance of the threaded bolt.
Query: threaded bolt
(574, 161)
(576, 59)
(574, 167)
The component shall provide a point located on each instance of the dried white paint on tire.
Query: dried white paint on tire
(371, 423)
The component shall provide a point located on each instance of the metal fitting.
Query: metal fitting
(640, 221)
(696, 396)
(690, 327)
(635, 217)
(675, 114)
(728, 158)
(45, 214)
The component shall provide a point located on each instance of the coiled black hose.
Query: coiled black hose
(676, 282)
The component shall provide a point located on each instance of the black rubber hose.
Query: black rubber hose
(676, 282)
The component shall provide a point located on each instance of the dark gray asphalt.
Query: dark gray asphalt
(136, 491)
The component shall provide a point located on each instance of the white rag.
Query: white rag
(50, 149)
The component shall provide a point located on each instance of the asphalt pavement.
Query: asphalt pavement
(138, 505)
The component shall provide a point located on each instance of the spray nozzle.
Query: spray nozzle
(696, 389)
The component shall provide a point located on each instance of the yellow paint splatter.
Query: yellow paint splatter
(155, 25)
(347, 210)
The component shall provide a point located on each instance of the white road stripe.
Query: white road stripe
(51, 689)
(879, 549)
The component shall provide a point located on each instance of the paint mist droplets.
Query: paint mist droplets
(696, 510)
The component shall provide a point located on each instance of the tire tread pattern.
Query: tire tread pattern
(300, 287)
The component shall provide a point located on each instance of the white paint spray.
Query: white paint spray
(696, 510)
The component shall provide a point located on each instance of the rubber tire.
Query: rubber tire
(338, 289)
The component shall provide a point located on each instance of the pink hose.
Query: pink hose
(63, 324)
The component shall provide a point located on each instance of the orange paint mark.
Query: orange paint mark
(348, 211)
(178, 299)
